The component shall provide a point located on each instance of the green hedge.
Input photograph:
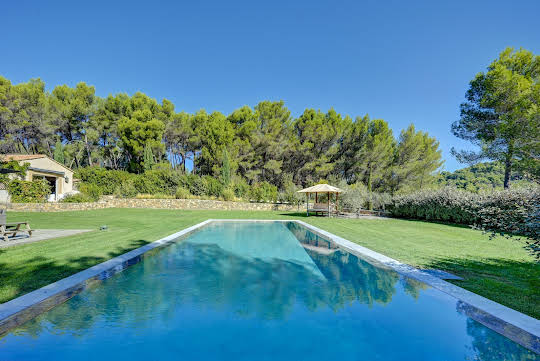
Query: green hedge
(96, 181)
(514, 211)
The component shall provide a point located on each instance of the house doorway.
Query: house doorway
(52, 183)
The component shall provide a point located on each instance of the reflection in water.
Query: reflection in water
(248, 291)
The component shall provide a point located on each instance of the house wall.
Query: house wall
(48, 164)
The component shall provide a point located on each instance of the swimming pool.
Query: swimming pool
(257, 291)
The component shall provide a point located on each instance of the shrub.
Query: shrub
(91, 191)
(354, 197)
(263, 191)
(213, 186)
(182, 193)
(29, 192)
(157, 181)
(446, 204)
(227, 194)
(240, 188)
(77, 198)
(513, 211)
(107, 180)
(196, 185)
(126, 189)
(290, 195)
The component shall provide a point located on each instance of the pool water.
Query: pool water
(257, 291)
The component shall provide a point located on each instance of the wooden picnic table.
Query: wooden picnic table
(11, 229)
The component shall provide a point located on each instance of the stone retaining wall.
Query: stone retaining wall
(151, 203)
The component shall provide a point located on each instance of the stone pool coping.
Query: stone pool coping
(517, 326)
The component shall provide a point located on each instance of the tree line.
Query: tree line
(260, 143)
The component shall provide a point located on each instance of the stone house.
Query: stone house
(59, 176)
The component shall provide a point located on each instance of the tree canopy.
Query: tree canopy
(260, 145)
(501, 114)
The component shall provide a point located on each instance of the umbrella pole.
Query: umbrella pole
(307, 204)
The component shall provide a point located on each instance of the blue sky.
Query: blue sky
(403, 61)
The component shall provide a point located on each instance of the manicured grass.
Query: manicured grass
(499, 269)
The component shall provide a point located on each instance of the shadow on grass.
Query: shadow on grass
(294, 214)
(39, 271)
(515, 284)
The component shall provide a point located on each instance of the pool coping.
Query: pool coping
(512, 324)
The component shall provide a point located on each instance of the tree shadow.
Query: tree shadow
(40, 271)
(513, 283)
(294, 214)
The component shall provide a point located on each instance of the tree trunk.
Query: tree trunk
(87, 149)
(508, 165)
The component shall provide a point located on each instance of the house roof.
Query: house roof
(23, 157)
(19, 157)
(321, 188)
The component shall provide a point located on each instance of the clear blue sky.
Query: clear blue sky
(403, 61)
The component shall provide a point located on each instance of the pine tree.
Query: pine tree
(59, 152)
(148, 158)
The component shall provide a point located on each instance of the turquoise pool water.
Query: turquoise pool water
(257, 291)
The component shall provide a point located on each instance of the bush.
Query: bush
(77, 198)
(182, 193)
(354, 197)
(446, 204)
(263, 191)
(107, 180)
(196, 185)
(513, 211)
(240, 188)
(157, 181)
(213, 186)
(29, 192)
(126, 190)
(91, 191)
(227, 194)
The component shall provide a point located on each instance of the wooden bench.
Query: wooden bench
(321, 208)
(11, 229)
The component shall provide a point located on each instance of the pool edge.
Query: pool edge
(516, 326)
(19, 310)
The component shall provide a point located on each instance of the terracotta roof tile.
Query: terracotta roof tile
(18, 157)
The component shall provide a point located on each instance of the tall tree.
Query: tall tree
(501, 113)
(244, 121)
(417, 157)
(214, 133)
(351, 147)
(376, 155)
(142, 124)
(316, 145)
(105, 122)
(179, 138)
(73, 108)
(25, 118)
(271, 139)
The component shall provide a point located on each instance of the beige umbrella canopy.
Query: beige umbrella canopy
(320, 188)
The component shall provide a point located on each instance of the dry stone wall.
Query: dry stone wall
(151, 203)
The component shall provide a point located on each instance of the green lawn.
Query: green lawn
(498, 269)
